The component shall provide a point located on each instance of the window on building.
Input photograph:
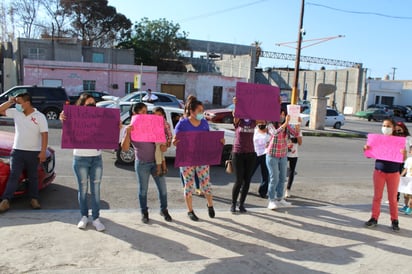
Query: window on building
(388, 100)
(89, 85)
(129, 87)
(377, 99)
(97, 57)
(37, 53)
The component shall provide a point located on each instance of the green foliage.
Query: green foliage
(96, 23)
(155, 40)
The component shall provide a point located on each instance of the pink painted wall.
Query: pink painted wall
(72, 74)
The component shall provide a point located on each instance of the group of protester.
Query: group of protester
(256, 143)
(389, 173)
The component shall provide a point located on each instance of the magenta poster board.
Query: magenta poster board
(386, 148)
(257, 102)
(90, 127)
(148, 128)
(196, 148)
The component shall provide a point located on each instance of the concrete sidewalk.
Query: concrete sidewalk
(326, 239)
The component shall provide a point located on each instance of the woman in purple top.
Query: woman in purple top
(145, 165)
(195, 122)
(244, 160)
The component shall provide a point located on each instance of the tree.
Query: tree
(96, 23)
(155, 40)
(57, 26)
(27, 13)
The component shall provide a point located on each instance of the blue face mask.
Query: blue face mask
(199, 116)
(19, 108)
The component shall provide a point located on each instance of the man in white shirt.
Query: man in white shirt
(29, 147)
(149, 97)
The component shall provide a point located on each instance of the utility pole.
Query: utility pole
(393, 74)
(295, 94)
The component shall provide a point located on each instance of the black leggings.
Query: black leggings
(243, 164)
(292, 167)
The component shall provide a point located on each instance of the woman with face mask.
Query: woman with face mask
(386, 172)
(243, 159)
(195, 122)
(88, 169)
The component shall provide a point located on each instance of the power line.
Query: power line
(222, 11)
(360, 12)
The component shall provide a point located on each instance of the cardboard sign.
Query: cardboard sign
(196, 148)
(90, 127)
(405, 185)
(257, 102)
(386, 148)
(148, 128)
(294, 113)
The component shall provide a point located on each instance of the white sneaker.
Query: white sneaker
(98, 225)
(287, 193)
(83, 222)
(272, 205)
(283, 203)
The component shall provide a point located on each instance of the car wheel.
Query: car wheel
(51, 114)
(227, 150)
(337, 125)
(125, 157)
(227, 120)
(369, 118)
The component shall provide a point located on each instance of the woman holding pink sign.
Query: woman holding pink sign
(145, 165)
(386, 172)
(88, 168)
(195, 122)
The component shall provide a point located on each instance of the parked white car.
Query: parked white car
(333, 118)
(173, 116)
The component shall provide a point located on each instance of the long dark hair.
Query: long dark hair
(83, 98)
(404, 128)
(193, 105)
(161, 110)
(136, 108)
(191, 98)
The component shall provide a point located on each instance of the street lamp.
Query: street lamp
(301, 32)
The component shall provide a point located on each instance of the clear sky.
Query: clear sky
(379, 42)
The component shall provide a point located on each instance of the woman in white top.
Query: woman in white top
(88, 169)
(260, 141)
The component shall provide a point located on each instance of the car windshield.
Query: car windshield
(131, 96)
(306, 111)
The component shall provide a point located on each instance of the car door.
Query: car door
(331, 117)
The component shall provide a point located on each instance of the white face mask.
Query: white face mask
(387, 130)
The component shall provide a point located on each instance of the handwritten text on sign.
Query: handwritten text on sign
(148, 128)
(386, 148)
(90, 127)
(196, 148)
(294, 113)
(257, 102)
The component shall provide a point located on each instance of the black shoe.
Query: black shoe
(371, 223)
(242, 209)
(233, 209)
(395, 225)
(145, 217)
(192, 216)
(166, 215)
(211, 211)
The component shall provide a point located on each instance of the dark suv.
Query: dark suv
(49, 100)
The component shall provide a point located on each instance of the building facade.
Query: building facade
(389, 92)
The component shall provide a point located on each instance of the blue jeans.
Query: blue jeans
(19, 160)
(88, 170)
(143, 172)
(277, 175)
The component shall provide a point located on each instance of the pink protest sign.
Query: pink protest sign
(386, 148)
(148, 128)
(197, 148)
(257, 102)
(90, 127)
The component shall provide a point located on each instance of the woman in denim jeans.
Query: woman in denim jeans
(88, 169)
(145, 165)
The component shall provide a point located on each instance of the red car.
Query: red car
(220, 115)
(45, 170)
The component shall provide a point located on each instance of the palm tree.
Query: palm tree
(257, 45)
